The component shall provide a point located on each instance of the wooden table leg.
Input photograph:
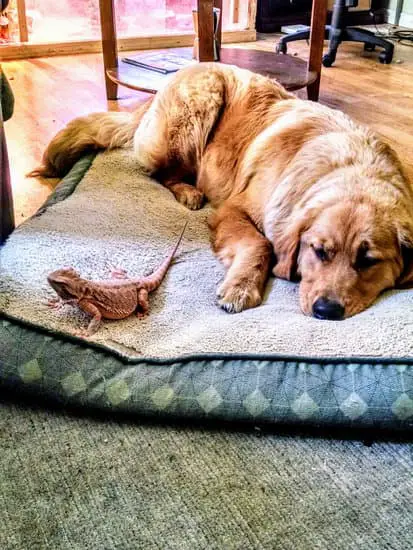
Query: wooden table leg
(318, 21)
(206, 30)
(109, 46)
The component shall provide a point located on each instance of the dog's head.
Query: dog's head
(346, 254)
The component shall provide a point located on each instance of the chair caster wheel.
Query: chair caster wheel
(328, 60)
(385, 57)
(281, 48)
(369, 47)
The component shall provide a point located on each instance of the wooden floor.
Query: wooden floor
(51, 91)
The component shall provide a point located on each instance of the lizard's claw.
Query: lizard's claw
(118, 273)
(82, 333)
(55, 303)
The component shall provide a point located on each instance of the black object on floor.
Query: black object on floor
(338, 32)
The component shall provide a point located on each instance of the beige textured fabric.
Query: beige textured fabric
(119, 218)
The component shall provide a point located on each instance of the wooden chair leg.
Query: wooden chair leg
(109, 46)
(206, 30)
(318, 20)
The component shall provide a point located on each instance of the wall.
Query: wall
(406, 18)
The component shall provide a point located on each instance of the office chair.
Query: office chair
(338, 32)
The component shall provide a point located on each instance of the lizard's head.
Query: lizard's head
(62, 281)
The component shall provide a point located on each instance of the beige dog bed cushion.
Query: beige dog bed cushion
(188, 357)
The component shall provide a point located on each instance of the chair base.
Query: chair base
(337, 36)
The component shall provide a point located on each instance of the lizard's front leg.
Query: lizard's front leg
(58, 303)
(93, 326)
(143, 303)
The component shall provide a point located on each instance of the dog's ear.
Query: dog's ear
(405, 236)
(287, 245)
(286, 257)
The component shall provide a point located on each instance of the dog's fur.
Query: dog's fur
(286, 176)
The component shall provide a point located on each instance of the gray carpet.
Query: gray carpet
(77, 483)
(118, 218)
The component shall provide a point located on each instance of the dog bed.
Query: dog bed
(188, 358)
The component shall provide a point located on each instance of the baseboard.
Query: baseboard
(27, 50)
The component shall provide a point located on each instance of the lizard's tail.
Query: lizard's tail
(153, 281)
(85, 134)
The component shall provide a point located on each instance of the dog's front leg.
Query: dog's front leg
(246, 254)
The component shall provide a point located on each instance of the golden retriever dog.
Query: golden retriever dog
(296, 187)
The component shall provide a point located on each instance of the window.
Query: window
(48, 21)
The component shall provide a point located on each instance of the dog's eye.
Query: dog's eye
(365, 262)
(321, 253)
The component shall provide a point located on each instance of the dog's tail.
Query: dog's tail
(85, 134)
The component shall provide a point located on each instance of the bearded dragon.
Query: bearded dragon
(115, 298)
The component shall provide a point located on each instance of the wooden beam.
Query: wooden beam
(21, 13)
(234, 11)
(252, 14)
(318, 21)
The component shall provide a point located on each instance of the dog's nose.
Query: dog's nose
(323, 308)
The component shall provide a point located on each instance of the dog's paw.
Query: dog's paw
(188, 196)
(235, 296)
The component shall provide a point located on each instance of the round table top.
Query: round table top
(291, 72)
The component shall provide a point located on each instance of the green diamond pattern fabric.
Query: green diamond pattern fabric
(243, 389)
